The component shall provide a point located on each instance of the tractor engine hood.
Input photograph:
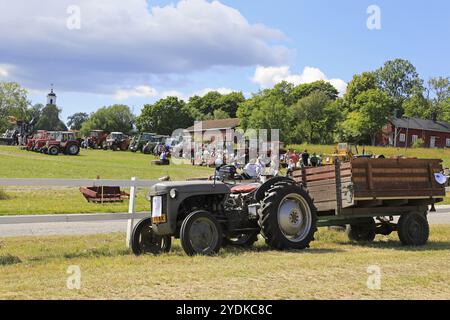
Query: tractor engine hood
(187, 188)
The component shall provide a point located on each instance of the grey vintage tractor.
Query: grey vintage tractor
(205, 215)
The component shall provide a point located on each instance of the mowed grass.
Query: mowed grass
(16, 163)
(333, 268)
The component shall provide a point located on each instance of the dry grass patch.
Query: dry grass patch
(333, 268)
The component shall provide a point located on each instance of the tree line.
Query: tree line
(306, 113)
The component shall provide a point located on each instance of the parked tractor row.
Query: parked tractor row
(54, 143)
(146, 143)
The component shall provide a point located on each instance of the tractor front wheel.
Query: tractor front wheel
(201, 234)
(145, 241)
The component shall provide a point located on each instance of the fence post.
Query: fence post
(130, 224)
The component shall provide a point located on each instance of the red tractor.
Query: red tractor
(41, 134)
(65, 142)
(39, 144)
(95, 140)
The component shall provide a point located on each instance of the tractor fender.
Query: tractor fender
(260, 194)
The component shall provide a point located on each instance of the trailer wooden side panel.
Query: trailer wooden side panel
(366, 181)
(321, 184)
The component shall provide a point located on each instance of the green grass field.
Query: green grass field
(333, 268)
(17, 163)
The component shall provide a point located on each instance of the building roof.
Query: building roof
(217, 124)
(421, 124)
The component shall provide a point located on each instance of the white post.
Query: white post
(131, 212)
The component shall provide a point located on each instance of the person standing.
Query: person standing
(305, 158)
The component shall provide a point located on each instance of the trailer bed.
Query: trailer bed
(358, 187)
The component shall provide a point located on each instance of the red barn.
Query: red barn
(402, 132)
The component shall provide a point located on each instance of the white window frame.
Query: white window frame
(447, 142)
(402, 137)
(414, 138)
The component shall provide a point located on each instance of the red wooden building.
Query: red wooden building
(402, 132)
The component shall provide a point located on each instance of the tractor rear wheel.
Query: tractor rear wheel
(145, 241)
(73, 150)
(201, 234)
(53, 151)
(288, 217)
(413, 229)
(362, 232)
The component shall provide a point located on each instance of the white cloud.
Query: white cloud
(4, 70)
(139, 91)
(172, 93)
(126, 42)
(205, 91)
(145, 91)
(267, 77)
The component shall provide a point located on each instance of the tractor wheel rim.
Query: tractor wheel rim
(294, 217)
(203, 235)
(148, 241)
(73, 149)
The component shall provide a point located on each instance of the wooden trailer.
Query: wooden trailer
(356, 192)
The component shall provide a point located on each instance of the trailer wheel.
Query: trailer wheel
(288, 217)
(145, 241)
(362, 232)
(53, 151)
(201, 234)
(413, 229)
(245, 240)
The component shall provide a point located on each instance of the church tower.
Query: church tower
(51, 97)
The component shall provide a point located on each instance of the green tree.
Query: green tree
(49, 119)
(399, 79)
(75, 121)
(306, 89)
(220, 114)
(271, 113)
(439, 89)
(165, 116)
(117, 117)
(372, 110)
(418, 106)
(202, 108)
(13, 102)
(316, 118)
(359, 84)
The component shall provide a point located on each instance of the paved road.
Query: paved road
(442, 216)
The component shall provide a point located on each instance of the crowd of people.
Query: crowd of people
(295, 160)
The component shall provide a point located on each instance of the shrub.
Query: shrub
(3, 195)
(419, 143)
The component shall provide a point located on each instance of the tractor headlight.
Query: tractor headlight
(173, 193)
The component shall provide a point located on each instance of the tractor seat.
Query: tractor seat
(244, 188)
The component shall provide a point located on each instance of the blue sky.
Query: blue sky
(124, 53)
